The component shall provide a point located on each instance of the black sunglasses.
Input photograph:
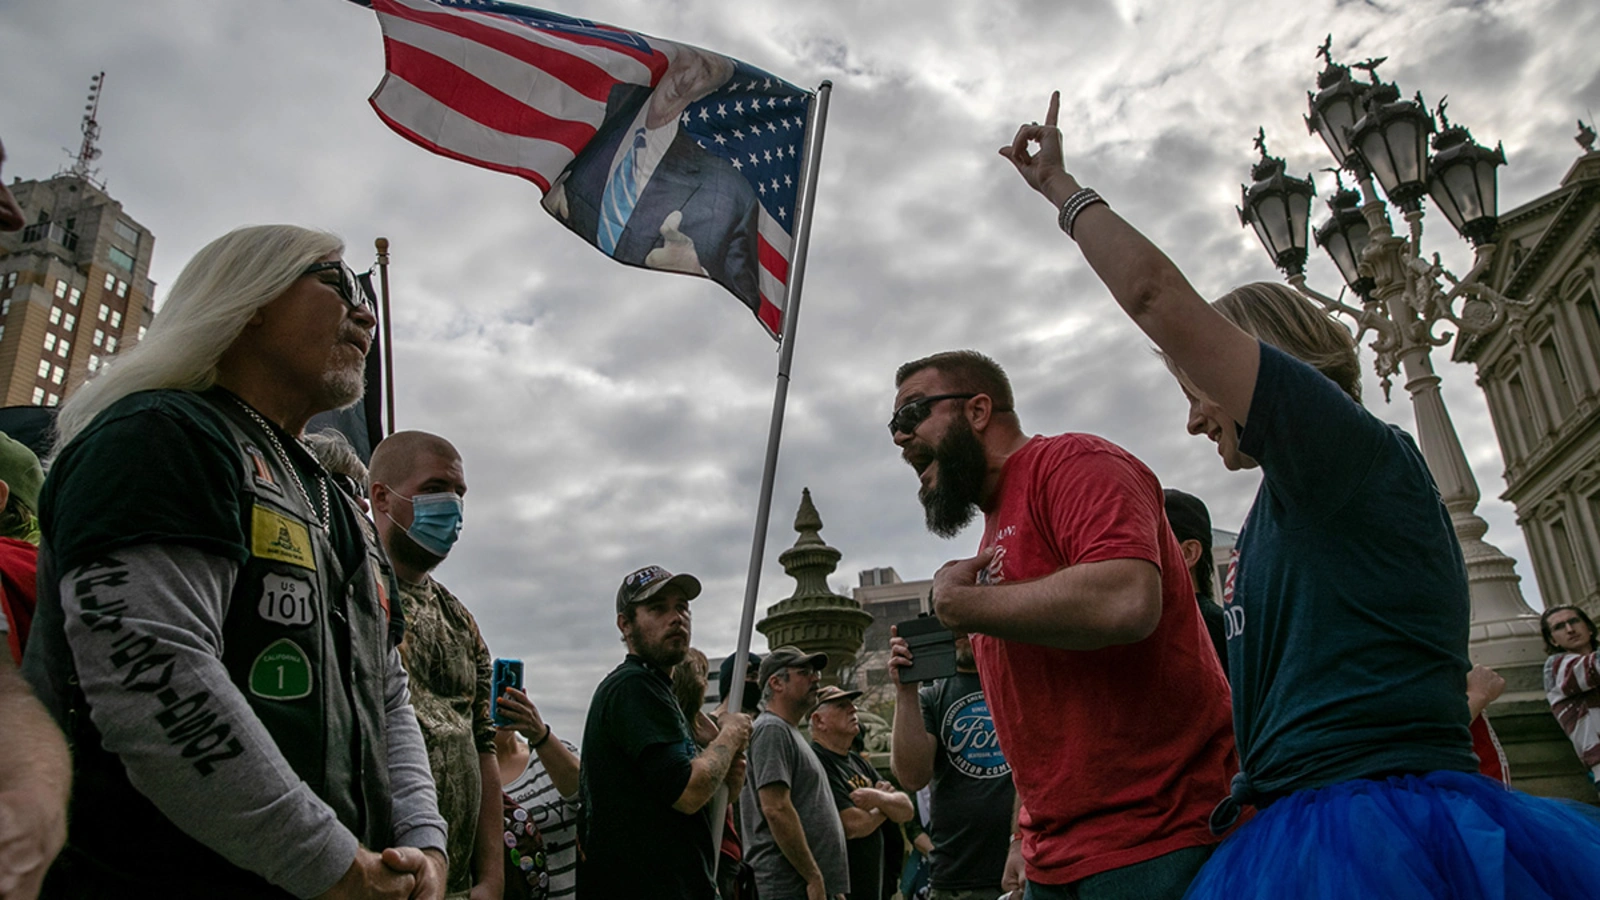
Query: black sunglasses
(349, 286)
(906, 419)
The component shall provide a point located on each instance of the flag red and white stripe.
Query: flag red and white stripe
(523, 91)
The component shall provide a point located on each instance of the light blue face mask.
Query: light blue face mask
(435, 522)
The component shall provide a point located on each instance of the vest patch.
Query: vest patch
(262, 472)
(382, 585)
(276, 536)
(287, 600)
(281, 672)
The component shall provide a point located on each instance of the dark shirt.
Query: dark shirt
(1216, 627)
(846, 772)
(162, 469)
(1347, 603)
(637, 759)
(971, 793)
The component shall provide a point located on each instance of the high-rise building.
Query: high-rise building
(75, 282)
(74, 288)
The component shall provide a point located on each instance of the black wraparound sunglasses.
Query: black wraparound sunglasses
(914, 412)
(349, 286)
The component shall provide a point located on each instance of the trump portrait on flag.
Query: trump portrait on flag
(646, 194)
(661, 155)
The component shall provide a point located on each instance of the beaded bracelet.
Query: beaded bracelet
(1075, 205)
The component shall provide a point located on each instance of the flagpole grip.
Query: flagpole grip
(382, 245)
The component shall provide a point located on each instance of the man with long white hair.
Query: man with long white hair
(214, 633)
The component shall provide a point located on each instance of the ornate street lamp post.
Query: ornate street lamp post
(1376, 136)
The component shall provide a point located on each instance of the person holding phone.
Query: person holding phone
(540, 774)
(417, 490)
(944, 740)
(1081, 618)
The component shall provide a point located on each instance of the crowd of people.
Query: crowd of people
(239, 677)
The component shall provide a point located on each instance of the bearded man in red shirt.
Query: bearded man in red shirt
(1106, 694)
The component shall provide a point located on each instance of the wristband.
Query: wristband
(1075, 205)
(540, 743)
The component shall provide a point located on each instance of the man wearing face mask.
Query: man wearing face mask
(416, 487)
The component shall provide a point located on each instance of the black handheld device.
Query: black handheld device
(507, 673)
(933, 649)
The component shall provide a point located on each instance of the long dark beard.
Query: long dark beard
(952, 503)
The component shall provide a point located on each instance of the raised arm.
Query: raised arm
(1213, 353)
(558, 760)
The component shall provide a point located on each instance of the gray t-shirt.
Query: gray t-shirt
(971, 792)
(779, 755)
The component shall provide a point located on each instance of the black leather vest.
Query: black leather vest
(306, 641)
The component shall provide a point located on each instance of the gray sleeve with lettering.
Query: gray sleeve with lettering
(417, 822)
(145, 627)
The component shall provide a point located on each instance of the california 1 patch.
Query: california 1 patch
(970, 743)
(287, 600)
(281, 672)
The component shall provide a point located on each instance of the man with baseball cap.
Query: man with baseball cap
(645, 824)
(864, 800)
(795, 841)
(1191, 525)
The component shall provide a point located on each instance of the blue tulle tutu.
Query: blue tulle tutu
(1441, 836)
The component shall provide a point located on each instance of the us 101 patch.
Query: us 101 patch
(281, 672)
(287, 600)
(278, 537)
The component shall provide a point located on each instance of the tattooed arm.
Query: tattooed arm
(710, 768)
(145, 629)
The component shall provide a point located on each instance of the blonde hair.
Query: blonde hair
(205, 311)
(1280, 316)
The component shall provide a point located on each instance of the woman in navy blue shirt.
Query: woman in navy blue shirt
(1347, 604)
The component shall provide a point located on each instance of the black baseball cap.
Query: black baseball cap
(1189, 518)
(725, 674)
(642, 584)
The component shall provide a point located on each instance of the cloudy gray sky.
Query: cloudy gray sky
(611, 417)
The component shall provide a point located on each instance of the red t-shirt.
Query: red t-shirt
(1121, 753)
(18, 560)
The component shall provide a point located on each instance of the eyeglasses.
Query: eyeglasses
(349, 286)
(906, 419)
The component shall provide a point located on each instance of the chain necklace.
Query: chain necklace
(322, 483)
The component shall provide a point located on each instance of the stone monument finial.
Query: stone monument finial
(814, 618)
(808, 522)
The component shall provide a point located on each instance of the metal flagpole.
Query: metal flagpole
(791, 319)
(388, 344)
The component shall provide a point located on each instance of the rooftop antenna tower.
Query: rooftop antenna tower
(88, 152)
